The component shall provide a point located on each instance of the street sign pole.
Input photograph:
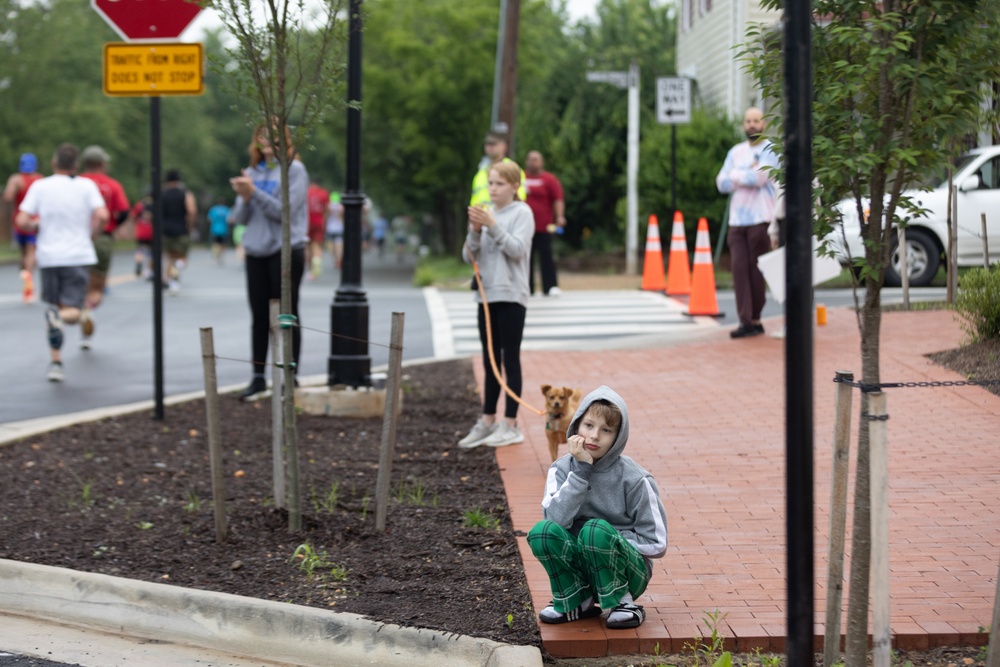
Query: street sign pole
(673, 168)
(673, 106)
(632, 171)
(630, 81)
(155, 160)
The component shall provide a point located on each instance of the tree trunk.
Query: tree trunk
(856, 648)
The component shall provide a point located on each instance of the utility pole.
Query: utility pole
(509, 29)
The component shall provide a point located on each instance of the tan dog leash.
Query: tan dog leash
(489, 339)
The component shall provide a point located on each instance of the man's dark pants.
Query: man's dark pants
(541, 246)
(746, 244)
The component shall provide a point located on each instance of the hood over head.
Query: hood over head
(611, 396)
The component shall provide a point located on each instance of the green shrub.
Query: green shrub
(441, 270)
(978, 303)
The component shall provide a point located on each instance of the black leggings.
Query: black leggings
(264, 284)
(506, 329)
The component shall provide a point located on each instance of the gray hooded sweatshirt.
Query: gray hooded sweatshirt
(262, 213)
(503, 252)
(614, 488)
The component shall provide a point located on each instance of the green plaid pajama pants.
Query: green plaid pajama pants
(598, 563)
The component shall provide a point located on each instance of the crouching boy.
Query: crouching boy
(603, 520)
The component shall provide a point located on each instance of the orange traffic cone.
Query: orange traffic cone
(703, 300)
(652, 265)
(678, 274)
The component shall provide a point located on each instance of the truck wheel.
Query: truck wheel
(922, 260)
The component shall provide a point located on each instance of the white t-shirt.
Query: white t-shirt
(65, 207)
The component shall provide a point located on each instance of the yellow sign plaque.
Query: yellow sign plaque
(154, 69)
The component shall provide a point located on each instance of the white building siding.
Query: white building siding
(707, 44)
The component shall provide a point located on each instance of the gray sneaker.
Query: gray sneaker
(55, 325)
(476, 436)
(55, 373)
(505, 435)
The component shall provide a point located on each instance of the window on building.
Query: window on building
(704, 7)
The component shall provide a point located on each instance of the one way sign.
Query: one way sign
(673, 100)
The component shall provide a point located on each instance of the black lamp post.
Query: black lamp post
(349, 363)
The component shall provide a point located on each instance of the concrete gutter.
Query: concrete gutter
(258, 629)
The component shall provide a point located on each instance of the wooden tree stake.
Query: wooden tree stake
(838, 518)
(881, 632)
(389, 422)
(214, 437)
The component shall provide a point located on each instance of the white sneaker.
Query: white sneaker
(504, 435)
(555, 291)
(477, 435)
(173, 287)
(55, 373)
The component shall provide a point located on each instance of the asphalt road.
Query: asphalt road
(119, 367)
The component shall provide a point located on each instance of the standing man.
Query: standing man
(746, 174)
(74, 211)
(13, 194)
(95, 167)
(545, 197)
(179, 210)
(495, 147)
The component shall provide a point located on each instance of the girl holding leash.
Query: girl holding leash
(499, 241)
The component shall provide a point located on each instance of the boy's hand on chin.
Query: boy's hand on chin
(578, 451)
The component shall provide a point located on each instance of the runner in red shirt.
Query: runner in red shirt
(317, 201)
(95, 165)
(141, 216)
(545, 197)
(13, 193)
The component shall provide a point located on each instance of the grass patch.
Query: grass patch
(480, 519)
(442, 271)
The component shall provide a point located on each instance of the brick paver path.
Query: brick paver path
(707, 419)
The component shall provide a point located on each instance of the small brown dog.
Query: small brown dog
(560, 406)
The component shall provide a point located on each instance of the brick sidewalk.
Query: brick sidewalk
(707, 419)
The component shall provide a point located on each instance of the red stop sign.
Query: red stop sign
(147, 19)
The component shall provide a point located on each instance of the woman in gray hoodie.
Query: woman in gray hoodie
(258, 206)
(604, 521)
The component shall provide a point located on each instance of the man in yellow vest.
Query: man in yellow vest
(495, 147)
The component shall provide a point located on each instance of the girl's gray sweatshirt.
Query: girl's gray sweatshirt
(503, 252)
(262, 213)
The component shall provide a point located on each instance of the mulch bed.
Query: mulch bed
(132, 497)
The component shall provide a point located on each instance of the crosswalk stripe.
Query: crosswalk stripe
(564, 322)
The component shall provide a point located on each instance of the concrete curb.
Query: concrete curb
(259, 629)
